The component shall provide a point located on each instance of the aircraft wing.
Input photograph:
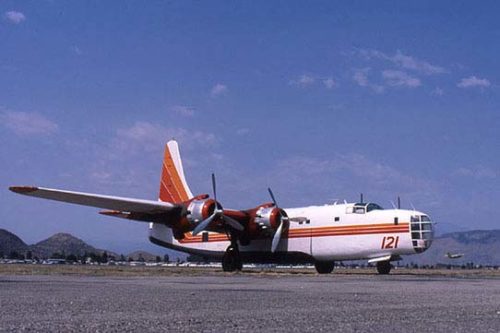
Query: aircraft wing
(98, 200)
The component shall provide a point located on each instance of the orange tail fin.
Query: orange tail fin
(173, 186)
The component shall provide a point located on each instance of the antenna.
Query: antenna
(361, 197)
(392, 204)
(399, 202)
(412, 206)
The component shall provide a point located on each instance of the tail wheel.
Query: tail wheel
(231, 261)
(384, 267)
(324, 267)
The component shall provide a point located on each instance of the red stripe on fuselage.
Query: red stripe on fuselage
(355, 230)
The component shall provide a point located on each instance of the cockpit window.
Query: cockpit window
(425, 218)
(373, 206)
(414, 218)
(361, 208)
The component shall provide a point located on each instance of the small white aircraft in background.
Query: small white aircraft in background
(266, 233)
(453, 255)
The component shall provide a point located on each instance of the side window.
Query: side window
(359, 210)
(204, 237)
(337, 219)
(396, 221)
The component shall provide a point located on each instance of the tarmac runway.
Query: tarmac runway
(240, 302)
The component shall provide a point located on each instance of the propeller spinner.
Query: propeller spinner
(218, 214)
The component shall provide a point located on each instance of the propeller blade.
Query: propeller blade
(233, 223)
(277, 237)
(214, 187)
(272, 196)
(203, 224)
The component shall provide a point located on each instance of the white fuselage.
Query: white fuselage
(332, 232)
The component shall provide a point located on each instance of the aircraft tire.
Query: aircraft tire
(384, 267)
(324, 267)
(231, 260)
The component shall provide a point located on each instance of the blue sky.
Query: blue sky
(319, 100)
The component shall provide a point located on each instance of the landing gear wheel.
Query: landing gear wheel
(384, 267)
(231, 261)
(324, 267)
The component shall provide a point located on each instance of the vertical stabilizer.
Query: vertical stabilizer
(173, 186)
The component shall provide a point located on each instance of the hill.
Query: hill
(478, 246)
(142, 256)
(11, 243)
(62, 243)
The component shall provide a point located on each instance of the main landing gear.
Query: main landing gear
(324, 267)
(384, 267)
(231, 261)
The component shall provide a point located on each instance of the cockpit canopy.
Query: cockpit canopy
(362, 208)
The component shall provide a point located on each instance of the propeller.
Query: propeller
(272, 196)
(284, 218)
(278, 232)
(277, 237)
(217, 214)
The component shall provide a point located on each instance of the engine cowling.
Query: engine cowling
(199, 210)
(268, 219)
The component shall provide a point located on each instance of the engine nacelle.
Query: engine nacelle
(268, 219)
(199, 210)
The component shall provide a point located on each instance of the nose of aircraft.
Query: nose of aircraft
(422, 231)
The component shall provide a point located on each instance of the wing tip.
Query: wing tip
(23, 189)
(110, 212)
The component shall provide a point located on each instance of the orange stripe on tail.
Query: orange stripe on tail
(173, 188)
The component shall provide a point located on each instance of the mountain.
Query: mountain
(11, 243)
(62, 243)
(142, 256)
(477, 246)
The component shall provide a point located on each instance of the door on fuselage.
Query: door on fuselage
(299, 236)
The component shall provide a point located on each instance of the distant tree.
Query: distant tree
(94, 257)
(166, 258)
(29, 255)
(141, 258)
(16, 255)
(122, 258)
(104, 257)
(72, 257)
(57, 255)
(130, 259)
(82, 258)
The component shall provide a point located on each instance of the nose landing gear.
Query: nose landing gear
(324, 267)
(384, 267)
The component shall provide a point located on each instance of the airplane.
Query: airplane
(266, 233)
(453, 255)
